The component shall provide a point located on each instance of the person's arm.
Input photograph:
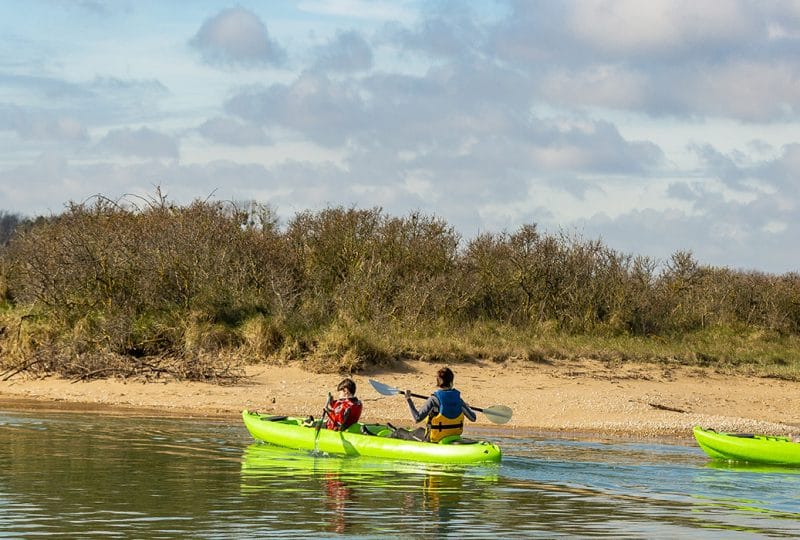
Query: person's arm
(426, 409)
(469, 413)
(330, 408)
(329, 404)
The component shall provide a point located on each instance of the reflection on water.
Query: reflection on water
(759, 468)
(356, 490)
(72, 476)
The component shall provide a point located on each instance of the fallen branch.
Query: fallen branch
(97, 373)
(666, 408)
(20, 368)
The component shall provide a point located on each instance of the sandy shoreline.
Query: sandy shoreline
(581, 397)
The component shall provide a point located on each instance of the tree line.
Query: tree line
(137, 279)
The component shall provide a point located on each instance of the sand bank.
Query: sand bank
(582, 397)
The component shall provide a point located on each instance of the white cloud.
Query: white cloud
(421, 184)
(747, 90)
(775, 227)
(236, 36)
(348, 51)
(601, 85)
(143, 142)
(233, 132)
(392, 10)
(636, 28)
(325, 110)
(42, 125)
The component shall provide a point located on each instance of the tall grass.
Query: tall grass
(133, 285)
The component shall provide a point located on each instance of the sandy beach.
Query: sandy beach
(581, 397)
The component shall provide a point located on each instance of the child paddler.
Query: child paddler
(445, 410)
(343, 412)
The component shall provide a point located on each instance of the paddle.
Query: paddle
(499, 414)
(321, 421)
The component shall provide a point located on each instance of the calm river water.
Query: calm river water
(88, 475)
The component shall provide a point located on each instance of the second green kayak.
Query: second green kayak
(291, 433)
(767, 449)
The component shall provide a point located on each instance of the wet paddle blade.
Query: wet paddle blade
(499, 414)
(384, 389)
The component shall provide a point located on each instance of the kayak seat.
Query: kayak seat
(376, 430)
(456, 439)
(464, 441)
(406, 434)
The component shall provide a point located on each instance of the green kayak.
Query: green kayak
(291, 433)
(767, 449)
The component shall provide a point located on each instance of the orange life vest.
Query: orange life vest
(343, 413)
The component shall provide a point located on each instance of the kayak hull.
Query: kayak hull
(765, 449)
(289, 432)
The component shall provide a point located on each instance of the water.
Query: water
(84, 476)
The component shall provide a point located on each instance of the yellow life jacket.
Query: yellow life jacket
(440, 426)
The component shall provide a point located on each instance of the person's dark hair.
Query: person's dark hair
(444, 377)
(347, 384)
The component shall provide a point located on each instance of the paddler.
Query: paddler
(341, 413)
(345, 411)
(444, 410)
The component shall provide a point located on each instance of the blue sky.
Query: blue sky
(655, 126)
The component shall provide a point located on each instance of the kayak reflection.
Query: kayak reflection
(743, 466)
(337, 491)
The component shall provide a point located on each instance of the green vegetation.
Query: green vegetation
(149, 287)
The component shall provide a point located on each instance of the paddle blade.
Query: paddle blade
(499, 414)
(384, 389)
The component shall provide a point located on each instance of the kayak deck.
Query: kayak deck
(766, 449)
(291, 433)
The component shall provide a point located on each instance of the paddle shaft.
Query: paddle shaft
(499, 414)
(318, 427)
(426, 397)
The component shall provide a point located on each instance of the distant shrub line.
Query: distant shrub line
(145, 278)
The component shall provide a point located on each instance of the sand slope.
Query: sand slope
(584, 396)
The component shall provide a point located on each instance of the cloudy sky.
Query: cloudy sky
(655, 126)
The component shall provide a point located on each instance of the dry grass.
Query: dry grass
(350, 348)
(728, 350)
(347, 349)
(261, 337)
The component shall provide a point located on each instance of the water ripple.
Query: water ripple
(70, 475)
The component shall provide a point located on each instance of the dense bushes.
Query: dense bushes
(360, 265)
(160, 280)
(142, 279)
(8, 224)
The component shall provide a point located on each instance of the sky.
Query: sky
(656, 127)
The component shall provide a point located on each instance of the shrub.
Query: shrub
(126, 281)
